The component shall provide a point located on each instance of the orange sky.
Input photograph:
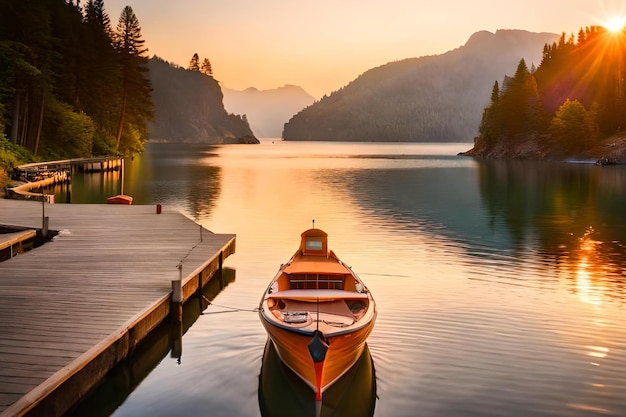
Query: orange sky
(323, 45)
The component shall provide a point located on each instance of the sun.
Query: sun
(615, 24)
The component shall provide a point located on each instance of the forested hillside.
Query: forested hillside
(70, 84)
(189, 108)
(74, 84)
(567, 106)
(436, 98)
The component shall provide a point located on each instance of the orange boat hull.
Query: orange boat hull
(282, 393)
(318, 313)
(343, 352)
(120, 199)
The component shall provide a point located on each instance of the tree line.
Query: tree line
(573, 100)
(205, 68)
(70, 84)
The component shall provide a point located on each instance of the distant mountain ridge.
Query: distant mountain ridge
(189, 108)
(267, 111)
(436, 98)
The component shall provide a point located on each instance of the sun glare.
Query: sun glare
(615, 24)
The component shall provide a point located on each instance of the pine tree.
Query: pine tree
(26, 60)
(96, 15)
(194, 63)
(495, 94)
(136, 103)
(514, 102)
(489, 128)
(103, 69)
(206, 67)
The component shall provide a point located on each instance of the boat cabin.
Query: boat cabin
(315, 267)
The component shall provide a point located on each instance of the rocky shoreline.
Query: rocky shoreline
(611, 151)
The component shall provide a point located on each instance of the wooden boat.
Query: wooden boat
(282, 393)
(120, 199)
(317, 313)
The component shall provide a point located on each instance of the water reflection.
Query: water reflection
(166, 339)
(521, 264)
(561, 220)
(174, 175)
(87, 188)
(284, 394)
(572, 214)
(169, 174)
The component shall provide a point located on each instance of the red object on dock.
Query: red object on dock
(120, 199)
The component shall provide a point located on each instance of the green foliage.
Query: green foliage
(12, 155)
(69, 134)
(103, 143)
(572, 127)
(489, 128)
(514, 111)
(136, 102)
(574, 75)
(4, 181)
(69, 85)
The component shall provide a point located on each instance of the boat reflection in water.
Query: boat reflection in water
(283, 393)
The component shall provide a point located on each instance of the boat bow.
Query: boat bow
(318, 346)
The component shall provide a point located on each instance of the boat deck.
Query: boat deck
(72, 308)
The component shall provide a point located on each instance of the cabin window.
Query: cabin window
(311, 281)
(314, 244)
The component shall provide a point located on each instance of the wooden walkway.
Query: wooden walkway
(74, 307)
(9, 240)
(38, 170)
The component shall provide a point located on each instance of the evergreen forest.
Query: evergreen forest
(570, 103)
(72, 83)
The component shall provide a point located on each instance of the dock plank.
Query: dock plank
(63, 303)
(9, 239)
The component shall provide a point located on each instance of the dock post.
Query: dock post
(177, 287)
(177, 295)
(219, 269)
(44, 230)
(44, 219)
(200, 285)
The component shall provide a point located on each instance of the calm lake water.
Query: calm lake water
(500, 286)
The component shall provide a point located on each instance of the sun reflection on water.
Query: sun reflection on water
(598, 351)
(589, 290)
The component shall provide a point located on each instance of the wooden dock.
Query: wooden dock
(36, 171)
(13, 243)
(73, 308)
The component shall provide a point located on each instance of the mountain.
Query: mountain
(189, 108)
(267, 111)
(436, 98)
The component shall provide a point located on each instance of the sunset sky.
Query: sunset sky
(323, 45)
